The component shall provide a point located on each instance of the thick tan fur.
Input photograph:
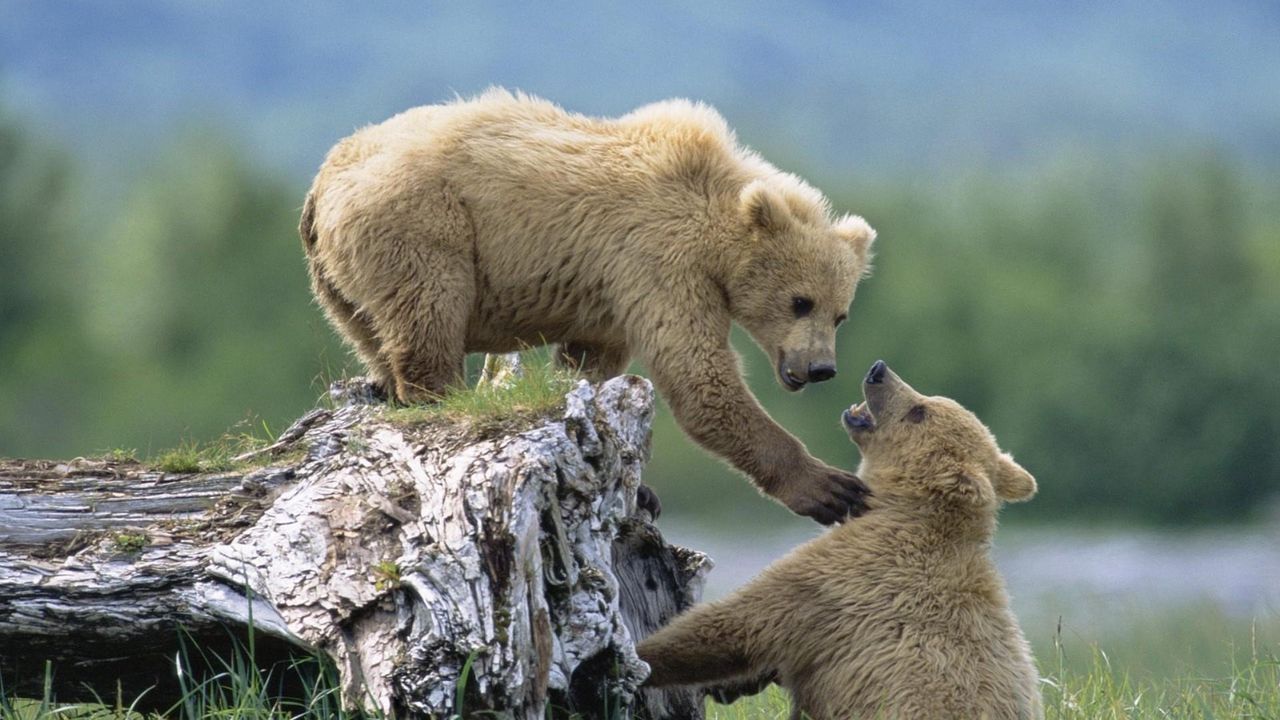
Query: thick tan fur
(491, 224)
(898, 614)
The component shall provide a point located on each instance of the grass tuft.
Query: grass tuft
(121, 455)
(538, 392)
(386, 575)
(131, 542)
(218, 455)
(188, 457)
(239, 688)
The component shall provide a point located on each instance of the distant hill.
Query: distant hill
(839, 89)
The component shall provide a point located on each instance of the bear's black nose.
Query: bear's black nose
(821, 371)
(875, 375)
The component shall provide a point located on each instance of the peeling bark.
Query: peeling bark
(401, 552)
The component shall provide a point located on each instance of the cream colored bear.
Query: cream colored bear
(899, 614)
(492, 224)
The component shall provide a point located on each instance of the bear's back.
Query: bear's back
(502, 142)
(444, 126)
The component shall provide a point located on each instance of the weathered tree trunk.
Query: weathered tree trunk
(402, 551)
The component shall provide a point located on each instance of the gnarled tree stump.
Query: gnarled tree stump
(400, 551)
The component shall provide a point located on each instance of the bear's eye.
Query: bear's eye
(801, 306)
(916, 414)
(840, 320)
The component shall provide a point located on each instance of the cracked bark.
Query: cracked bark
(398, 551)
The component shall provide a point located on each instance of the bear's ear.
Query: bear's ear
(1012, 482)
(854, 230)
(968, 486)
(764, 207)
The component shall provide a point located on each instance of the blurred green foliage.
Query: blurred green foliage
(168, 316)
(1117, 325)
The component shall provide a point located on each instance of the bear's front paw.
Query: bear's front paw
(827, 495)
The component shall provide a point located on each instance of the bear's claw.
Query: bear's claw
(843, 498)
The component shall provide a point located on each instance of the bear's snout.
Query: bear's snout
(883, 388)
(821, 372)
(798, 368)
(875, 375)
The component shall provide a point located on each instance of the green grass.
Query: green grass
(240, 690)
(539, 391)
(218, 455)
(1252, 690)
(232, 688)
(193, 457)
(1193, 640)
(130, 542)
(121, 455)
(1099, 690)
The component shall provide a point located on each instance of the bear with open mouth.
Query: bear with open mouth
(900, 613)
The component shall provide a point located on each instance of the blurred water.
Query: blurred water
(1088, 576)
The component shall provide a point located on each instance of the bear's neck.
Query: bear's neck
(730, 242)
(953, 522)
(897, 544)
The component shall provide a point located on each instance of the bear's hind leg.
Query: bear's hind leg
(422, 304)
(353, 325)
(424, 330)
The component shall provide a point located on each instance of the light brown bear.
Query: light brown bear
(493, 224)
(898, 614)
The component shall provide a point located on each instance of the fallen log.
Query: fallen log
(402, 550)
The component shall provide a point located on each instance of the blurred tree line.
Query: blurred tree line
(1117, 325)
(172, 311)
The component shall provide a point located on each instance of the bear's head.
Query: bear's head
(929, 450)
(795, 279)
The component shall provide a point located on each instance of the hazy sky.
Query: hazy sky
(843, 88)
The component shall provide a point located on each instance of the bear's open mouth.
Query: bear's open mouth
(858, 417)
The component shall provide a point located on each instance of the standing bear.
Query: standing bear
(493, 224)
(900, 614)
